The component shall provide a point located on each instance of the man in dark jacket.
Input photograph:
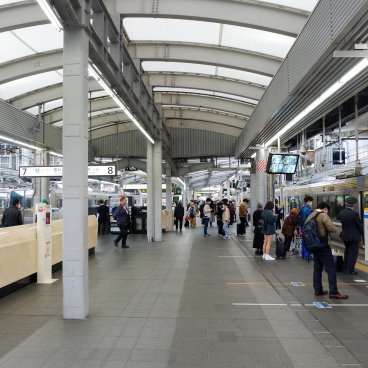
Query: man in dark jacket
(178, 215)
(103, 218)
(12, 215)
(123, 221)
(351, 234)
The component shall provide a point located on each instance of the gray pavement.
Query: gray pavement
(188, 302)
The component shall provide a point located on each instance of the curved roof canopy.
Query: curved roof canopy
(208, 65)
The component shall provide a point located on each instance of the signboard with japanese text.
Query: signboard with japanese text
(51, 171)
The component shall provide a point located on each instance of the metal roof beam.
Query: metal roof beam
(253, 14)
(226, 120)
(203, 125)
(202, 82)
(206, 54)
(184, 99)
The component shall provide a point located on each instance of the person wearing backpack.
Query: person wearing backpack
(305, 211)
(319, 225)
(288, 227)
(258, 238)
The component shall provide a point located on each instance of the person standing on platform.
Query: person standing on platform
(103, 218)
(178, 215)
(12, 215)
(122, 218)
(288, 227)
(322, 258)
(243, 215)
(220, 224)
(269, 222)
(226, 219)
(258, 238)
(352, 231)
(192, 214)
(305, 211)
(207, 210)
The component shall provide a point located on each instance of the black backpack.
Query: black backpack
(311, 238)
(260, 224)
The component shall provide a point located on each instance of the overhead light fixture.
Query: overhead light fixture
(181, 182)
(254, 155)
(51, 14)
(55, 154)
(324, 96)
(19, 143)
(95, 72)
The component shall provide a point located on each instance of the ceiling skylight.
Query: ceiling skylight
(28, 84)
(179, 30)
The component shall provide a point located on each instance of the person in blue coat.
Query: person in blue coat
(305, 211)
(269, 222)
(352, 231)
(122, 218)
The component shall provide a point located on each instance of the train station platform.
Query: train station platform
(189, 302)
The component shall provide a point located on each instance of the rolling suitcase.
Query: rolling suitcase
(280, 248)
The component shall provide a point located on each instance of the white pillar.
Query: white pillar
(37, 181)
(261, 178)
(150, 194)
(253, 193)
(157, 172)
(45, 182)
(228, 195)
(75, 175)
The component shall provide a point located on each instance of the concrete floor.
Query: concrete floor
(171, 305)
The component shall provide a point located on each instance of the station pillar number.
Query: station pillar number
(44, 244)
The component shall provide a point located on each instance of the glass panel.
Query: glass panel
(149, 29)
(333, 211)
(340, 204)
(14, 49)
(255, 40)
(305, 5)
(28, 84)
(180, 30)
(41, 38)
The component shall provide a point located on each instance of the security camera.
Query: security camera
(303, 151)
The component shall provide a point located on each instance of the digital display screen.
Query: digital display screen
(282, 163)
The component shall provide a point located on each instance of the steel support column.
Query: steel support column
(157, 172)
(150, 194)
(169, 197)
(75, 174)
(45, 182)
(261, 179)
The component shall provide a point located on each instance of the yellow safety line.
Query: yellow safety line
(361, 267)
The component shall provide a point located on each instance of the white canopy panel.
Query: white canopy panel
(151, 29)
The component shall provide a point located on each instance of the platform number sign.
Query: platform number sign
(55, 171)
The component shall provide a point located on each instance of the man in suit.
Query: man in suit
(351, 234)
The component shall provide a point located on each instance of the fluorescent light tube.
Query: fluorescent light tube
(50, 13)
(19, 143)
(95, 73)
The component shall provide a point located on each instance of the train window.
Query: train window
(340, 204)
(332, 202)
